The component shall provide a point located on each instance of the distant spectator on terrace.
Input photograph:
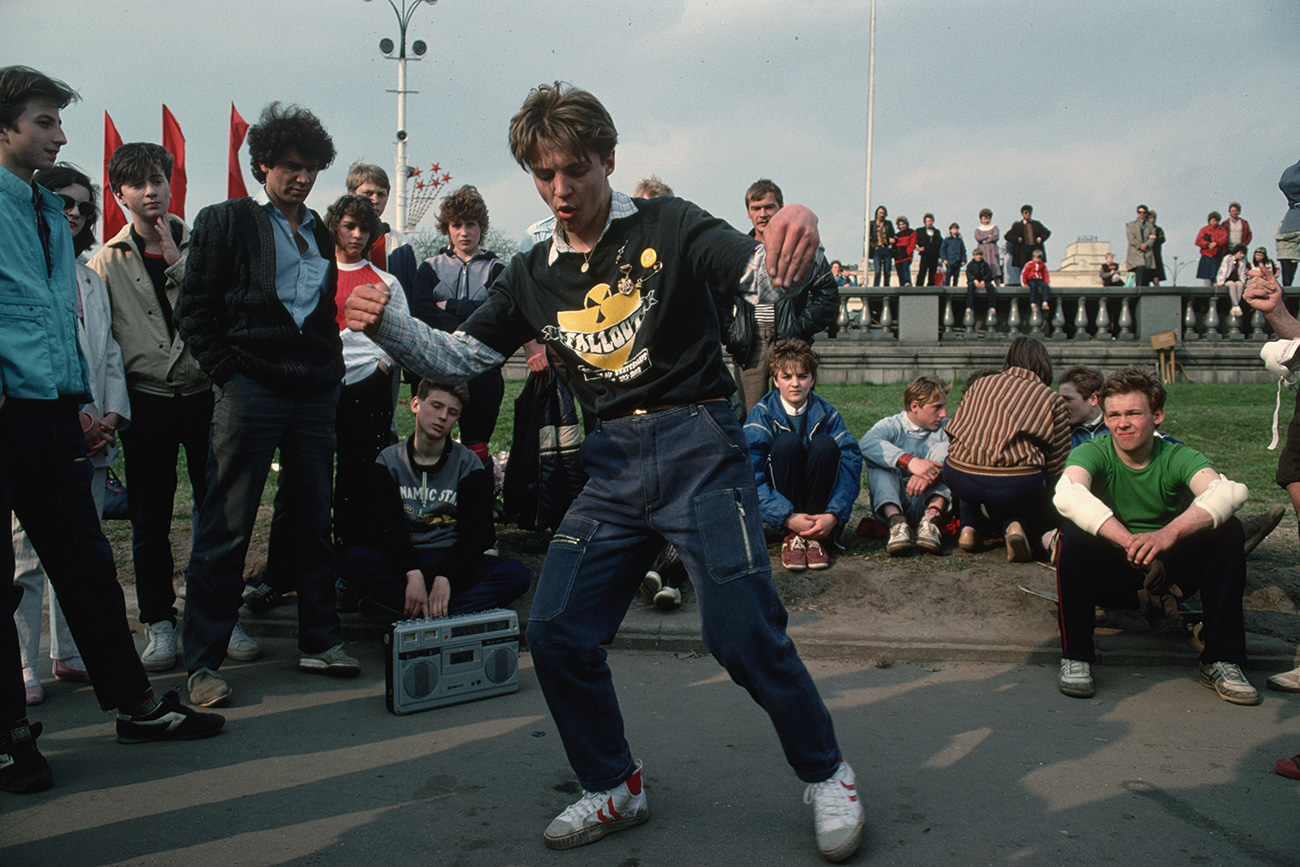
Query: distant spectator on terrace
(1232, 276)
(1141, 259)
(1260, 260)
(837, 272)
(1238, 229)
(952, 255)
(979, 278)
(928, 241)
(881, 246)
(1025, 237)
(904, 244)
(1212, 239)
(1157, 246)
(1007, 446)
(986, 238)
(1110, 272)
(1036, 277)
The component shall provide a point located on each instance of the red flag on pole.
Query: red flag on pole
(114, 219)
(174, 140)
(235, 188)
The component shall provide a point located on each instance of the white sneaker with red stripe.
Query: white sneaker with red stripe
(596, 814)
(837, 814)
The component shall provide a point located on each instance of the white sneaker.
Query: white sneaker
(241, 648)
(652, 583)
(1076, 678)
(596, 814)
(928, 538)
(1226, 679)
(1287, 681)
(160, 654)
(837, 814)
(900, 539)
(668, 599)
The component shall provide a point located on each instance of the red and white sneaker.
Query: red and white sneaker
(794, 553)
(596, 814)
(816, 555)
(837, 814)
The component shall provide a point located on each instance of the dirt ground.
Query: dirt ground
(952, 596)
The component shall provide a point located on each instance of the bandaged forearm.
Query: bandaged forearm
(1078, 504)
(1222, 498)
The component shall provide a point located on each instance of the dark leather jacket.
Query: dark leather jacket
(799, 315)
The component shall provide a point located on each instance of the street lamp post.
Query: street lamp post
(418, 48)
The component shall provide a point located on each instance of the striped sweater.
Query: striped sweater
(1010, 420)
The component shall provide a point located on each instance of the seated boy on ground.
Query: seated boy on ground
(427, 520)
(904, 455)
(1078, 388)
(806, 464)
(1128, 533)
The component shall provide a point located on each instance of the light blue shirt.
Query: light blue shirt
(300, 269)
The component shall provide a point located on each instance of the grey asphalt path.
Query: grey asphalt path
(958, 763)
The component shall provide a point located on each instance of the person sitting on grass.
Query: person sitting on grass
(426, 521)
(904, 454)
(1008, 442)
(806, 464)
(1129, 534)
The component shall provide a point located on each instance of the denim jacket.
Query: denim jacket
(39, 355)
(768, 418)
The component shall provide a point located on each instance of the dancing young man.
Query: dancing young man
(619, 293)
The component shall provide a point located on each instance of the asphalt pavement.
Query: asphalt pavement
(958, 763)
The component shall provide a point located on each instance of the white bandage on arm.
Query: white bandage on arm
(1222, 498)
(1080, 505)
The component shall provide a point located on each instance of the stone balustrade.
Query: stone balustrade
(1088, 313)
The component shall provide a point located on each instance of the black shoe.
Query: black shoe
(170, 721)
(261, 598)
(23, 769)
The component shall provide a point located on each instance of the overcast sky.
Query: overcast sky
(1083, 109)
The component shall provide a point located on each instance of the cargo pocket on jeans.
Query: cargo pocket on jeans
(732, 533)
(563, 558)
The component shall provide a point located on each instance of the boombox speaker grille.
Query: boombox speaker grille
(500, 665)
(421, 679)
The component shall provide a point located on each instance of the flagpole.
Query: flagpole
(871, 112)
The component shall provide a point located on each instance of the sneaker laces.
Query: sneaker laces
(831, 802)
(798, 543)
(1074, 668)
(577, 813)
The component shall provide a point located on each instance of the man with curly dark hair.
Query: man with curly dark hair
(260, 319)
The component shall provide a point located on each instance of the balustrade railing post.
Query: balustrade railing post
(991, 331)
(1257, 327)
(968, 320)
(1212, 320)
(948, 319)
(1103, 320)
(1126, 322)
(886, 320)
(1013, 318)
(842, 321)
(1081, 320)
(1035, 322)
(1236, 326)
(1190, 333)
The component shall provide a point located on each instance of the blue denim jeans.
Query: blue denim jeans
(883, 257)
(680, 475)
(889, 487)
(249, 421)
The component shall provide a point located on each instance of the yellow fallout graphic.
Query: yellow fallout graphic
(602, 331)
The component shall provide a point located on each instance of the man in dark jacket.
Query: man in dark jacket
(928, 242)
(749, 331)
(257, 310)
(1025, 237)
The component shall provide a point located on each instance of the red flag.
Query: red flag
(174, 140)
(114, 219)
(235, 188)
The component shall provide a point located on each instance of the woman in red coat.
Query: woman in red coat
(1212, 240)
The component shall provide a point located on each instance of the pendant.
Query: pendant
(584, 268)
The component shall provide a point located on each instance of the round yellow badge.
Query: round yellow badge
(649, 257)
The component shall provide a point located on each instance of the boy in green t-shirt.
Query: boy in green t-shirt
(1127, 532)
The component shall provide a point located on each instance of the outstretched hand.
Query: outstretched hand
(365, 308)
(1263, 291)
(791, 240)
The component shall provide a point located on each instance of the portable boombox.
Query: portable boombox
(437, 661)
